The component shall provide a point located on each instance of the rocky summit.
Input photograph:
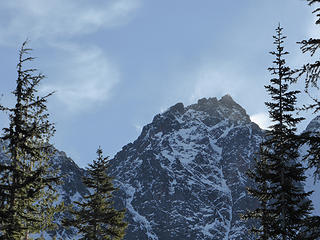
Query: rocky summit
(185, 175)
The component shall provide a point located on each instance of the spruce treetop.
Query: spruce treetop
(95, 217)
(278, 176)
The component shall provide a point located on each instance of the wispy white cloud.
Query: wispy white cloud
(56, 19)
(138, 127)
(82, 74)
(262, 119)
(215, 80)
(85, 77)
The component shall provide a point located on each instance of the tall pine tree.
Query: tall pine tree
(311, 73)
(26, 183)
(96, 218)
(284, 205)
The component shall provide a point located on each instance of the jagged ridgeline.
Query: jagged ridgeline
(185, 175)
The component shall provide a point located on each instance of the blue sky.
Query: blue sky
(114, 64)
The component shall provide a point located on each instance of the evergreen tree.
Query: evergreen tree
(26, 184)
(284, 206)
(311, 73)
(260, 176)
(96, 218)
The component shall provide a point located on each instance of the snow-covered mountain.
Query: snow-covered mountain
(185, 175)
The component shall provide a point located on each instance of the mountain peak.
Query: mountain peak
(225, 108)
(187, 168)
(210, 101)
(227, 99)
(179, 107)
(314, 125)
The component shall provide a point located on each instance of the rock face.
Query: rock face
(314, 125)
(184, 177)
(72, 189)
